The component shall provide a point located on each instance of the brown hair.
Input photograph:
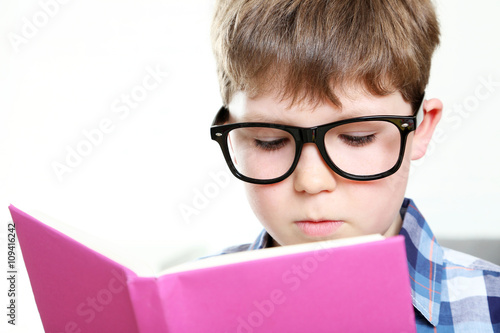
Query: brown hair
(305, 49)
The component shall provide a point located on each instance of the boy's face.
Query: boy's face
(314, 203)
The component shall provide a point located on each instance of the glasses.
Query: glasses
(362, 149)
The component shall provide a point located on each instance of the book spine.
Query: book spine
(147, 304)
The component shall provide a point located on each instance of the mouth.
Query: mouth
(319, 228)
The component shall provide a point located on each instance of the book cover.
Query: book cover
(353, 285)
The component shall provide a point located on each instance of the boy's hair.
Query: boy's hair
(305, 49)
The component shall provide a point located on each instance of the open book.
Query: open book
(350, 285)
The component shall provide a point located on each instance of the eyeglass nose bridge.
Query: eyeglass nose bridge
(309, 135)
(313, 135)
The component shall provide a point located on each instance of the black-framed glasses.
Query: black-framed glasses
(362, 148)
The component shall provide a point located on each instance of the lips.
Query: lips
(319, 228)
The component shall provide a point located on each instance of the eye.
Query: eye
(357, 140)
(271, 145)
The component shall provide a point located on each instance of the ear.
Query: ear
(432, 114)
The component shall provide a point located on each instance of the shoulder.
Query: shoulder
(264, 240)
(458, 260)
(236, 248)
(471, 285)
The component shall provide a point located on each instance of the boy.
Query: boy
(321, 99)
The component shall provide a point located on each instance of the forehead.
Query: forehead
(354, 103)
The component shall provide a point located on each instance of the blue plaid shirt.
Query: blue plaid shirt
(451, 291)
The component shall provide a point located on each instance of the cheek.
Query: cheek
(265, 200)
(379, 201)
(396, 184)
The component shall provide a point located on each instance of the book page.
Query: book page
(270, 252)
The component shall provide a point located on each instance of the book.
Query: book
(349, 285)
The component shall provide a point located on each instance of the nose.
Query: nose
(312, 175)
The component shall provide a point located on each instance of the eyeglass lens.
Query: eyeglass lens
(361, 148)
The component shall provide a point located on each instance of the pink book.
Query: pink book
(351, 285)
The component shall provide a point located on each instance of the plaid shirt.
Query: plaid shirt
(451, 291)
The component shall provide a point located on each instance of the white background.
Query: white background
(66, 77)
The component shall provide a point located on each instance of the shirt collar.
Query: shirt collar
(425, 262)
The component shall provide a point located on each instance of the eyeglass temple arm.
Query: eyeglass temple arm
(420, 111)
(221, 117)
